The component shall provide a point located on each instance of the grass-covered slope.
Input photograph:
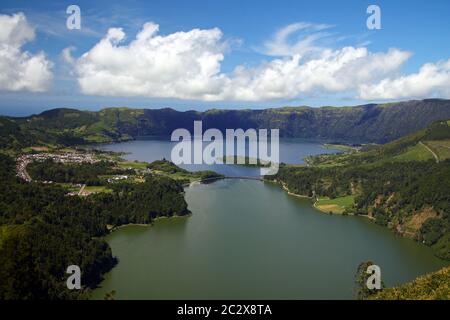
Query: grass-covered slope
(363, 124)
(431, 143)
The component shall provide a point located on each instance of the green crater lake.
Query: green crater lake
(251, 240)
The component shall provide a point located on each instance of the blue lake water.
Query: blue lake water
(291, 151)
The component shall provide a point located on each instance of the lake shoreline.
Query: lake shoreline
(314, 205)
(146, 225)
(167, 250)
(235, 198)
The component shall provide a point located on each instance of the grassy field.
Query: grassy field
(338, 146)
(96, 189)
(440, 147)
(69, 187)
(180, 176)
(183, 177)
(328, 160)
(133, 165)
(97, 138)
(337, 205)
(417, 153)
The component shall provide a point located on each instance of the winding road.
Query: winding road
(432, 152)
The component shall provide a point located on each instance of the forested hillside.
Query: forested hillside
(404, 184)
(43, 231)
(361, 124)
(433, 286)
(404, 190)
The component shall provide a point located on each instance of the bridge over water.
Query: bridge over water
(245, 177)
(258, 178)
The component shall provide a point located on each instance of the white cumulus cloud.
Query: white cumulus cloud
(187, 65)
(180, 65)
(334, 71)
(21, 70)
(433, 79)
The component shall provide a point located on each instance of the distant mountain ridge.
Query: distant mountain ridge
(371, 123)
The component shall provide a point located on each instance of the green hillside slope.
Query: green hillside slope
(361, 124)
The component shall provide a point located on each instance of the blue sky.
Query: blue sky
(418, 30)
